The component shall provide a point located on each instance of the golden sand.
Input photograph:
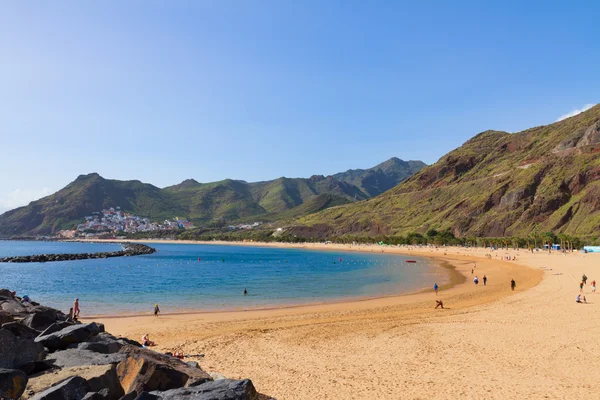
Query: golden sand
(489, 342)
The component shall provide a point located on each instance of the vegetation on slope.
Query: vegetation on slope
(212, 204)
(496, 184)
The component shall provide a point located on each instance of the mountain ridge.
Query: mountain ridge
(495, 184)
(226, 200)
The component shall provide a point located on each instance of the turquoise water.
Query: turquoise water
(174, 278)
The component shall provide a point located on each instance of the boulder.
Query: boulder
(145, 370)
(40, 317)
(73, 388)
(6, 293)
(98, 377)
(99, 395)
(13, 307)
(217, 376)
(12, 383)
(20, 330)
(73, 334)
(225, 389)
(55, 327)
(5, 317)
(17, 347)
(104, 343)
(77, 357)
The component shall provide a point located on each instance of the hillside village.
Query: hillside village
(114, 220)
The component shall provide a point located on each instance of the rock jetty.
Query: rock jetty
(45, 356)
(129, 249)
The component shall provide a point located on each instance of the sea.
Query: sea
(201, 277)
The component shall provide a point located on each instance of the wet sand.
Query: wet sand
(489, 342)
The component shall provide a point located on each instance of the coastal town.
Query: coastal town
(114, 220)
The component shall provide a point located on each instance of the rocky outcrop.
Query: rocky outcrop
(129, 250)
(224, 389)
(18, 349)
(73, 388)
(60, 340)
(71, 360)
(147, 370)
(12, 383)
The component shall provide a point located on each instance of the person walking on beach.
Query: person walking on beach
(594, 286)
(435, 288)
(513, 284)
(156, 310)
(581, 287)
(76, 309)
(584, 279)
(476, 280)
(484, 280)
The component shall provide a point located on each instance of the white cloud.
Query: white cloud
(575, 112)
(21, 197)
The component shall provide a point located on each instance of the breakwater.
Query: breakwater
(129, 250)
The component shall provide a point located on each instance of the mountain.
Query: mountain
(83, 196)
(382, 177)
(496, 184)
(228, 200)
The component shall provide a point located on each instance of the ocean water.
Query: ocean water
(175, 278)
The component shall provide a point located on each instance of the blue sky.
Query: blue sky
(163, 91)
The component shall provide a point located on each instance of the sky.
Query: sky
(162, 91)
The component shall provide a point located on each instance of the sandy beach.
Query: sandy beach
(489, 342)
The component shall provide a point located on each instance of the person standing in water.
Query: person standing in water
(156, 310)
(245, 292)
(513, 284)
(76, 309)
(435, 288)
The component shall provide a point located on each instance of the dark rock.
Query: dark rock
(6, 293)
(74, 388)
(193, 364)
(108, 381)
(20, 330)
(35, 367)
(103, 394)
(12, 383)
(147, 396)
(40, 320)
(104, 343)
(73, 334)
(147, 370)
(77, 357)
(5, 317)
(13, 307)
(130, 396)
(225, 389)
(124, 341)
(129, 249)
(20, 348)
(55, 327)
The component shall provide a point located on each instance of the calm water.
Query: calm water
(174, 278)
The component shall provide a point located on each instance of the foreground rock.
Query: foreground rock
(12, 383)
(224, 389)
(45, 357)
(97, 377)
(73, 388)
(60, 340)
(129, 249)
(18, 348)
(145, 370)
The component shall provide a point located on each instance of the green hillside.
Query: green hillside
(225, 201)
(382, 177)
(496, 184)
